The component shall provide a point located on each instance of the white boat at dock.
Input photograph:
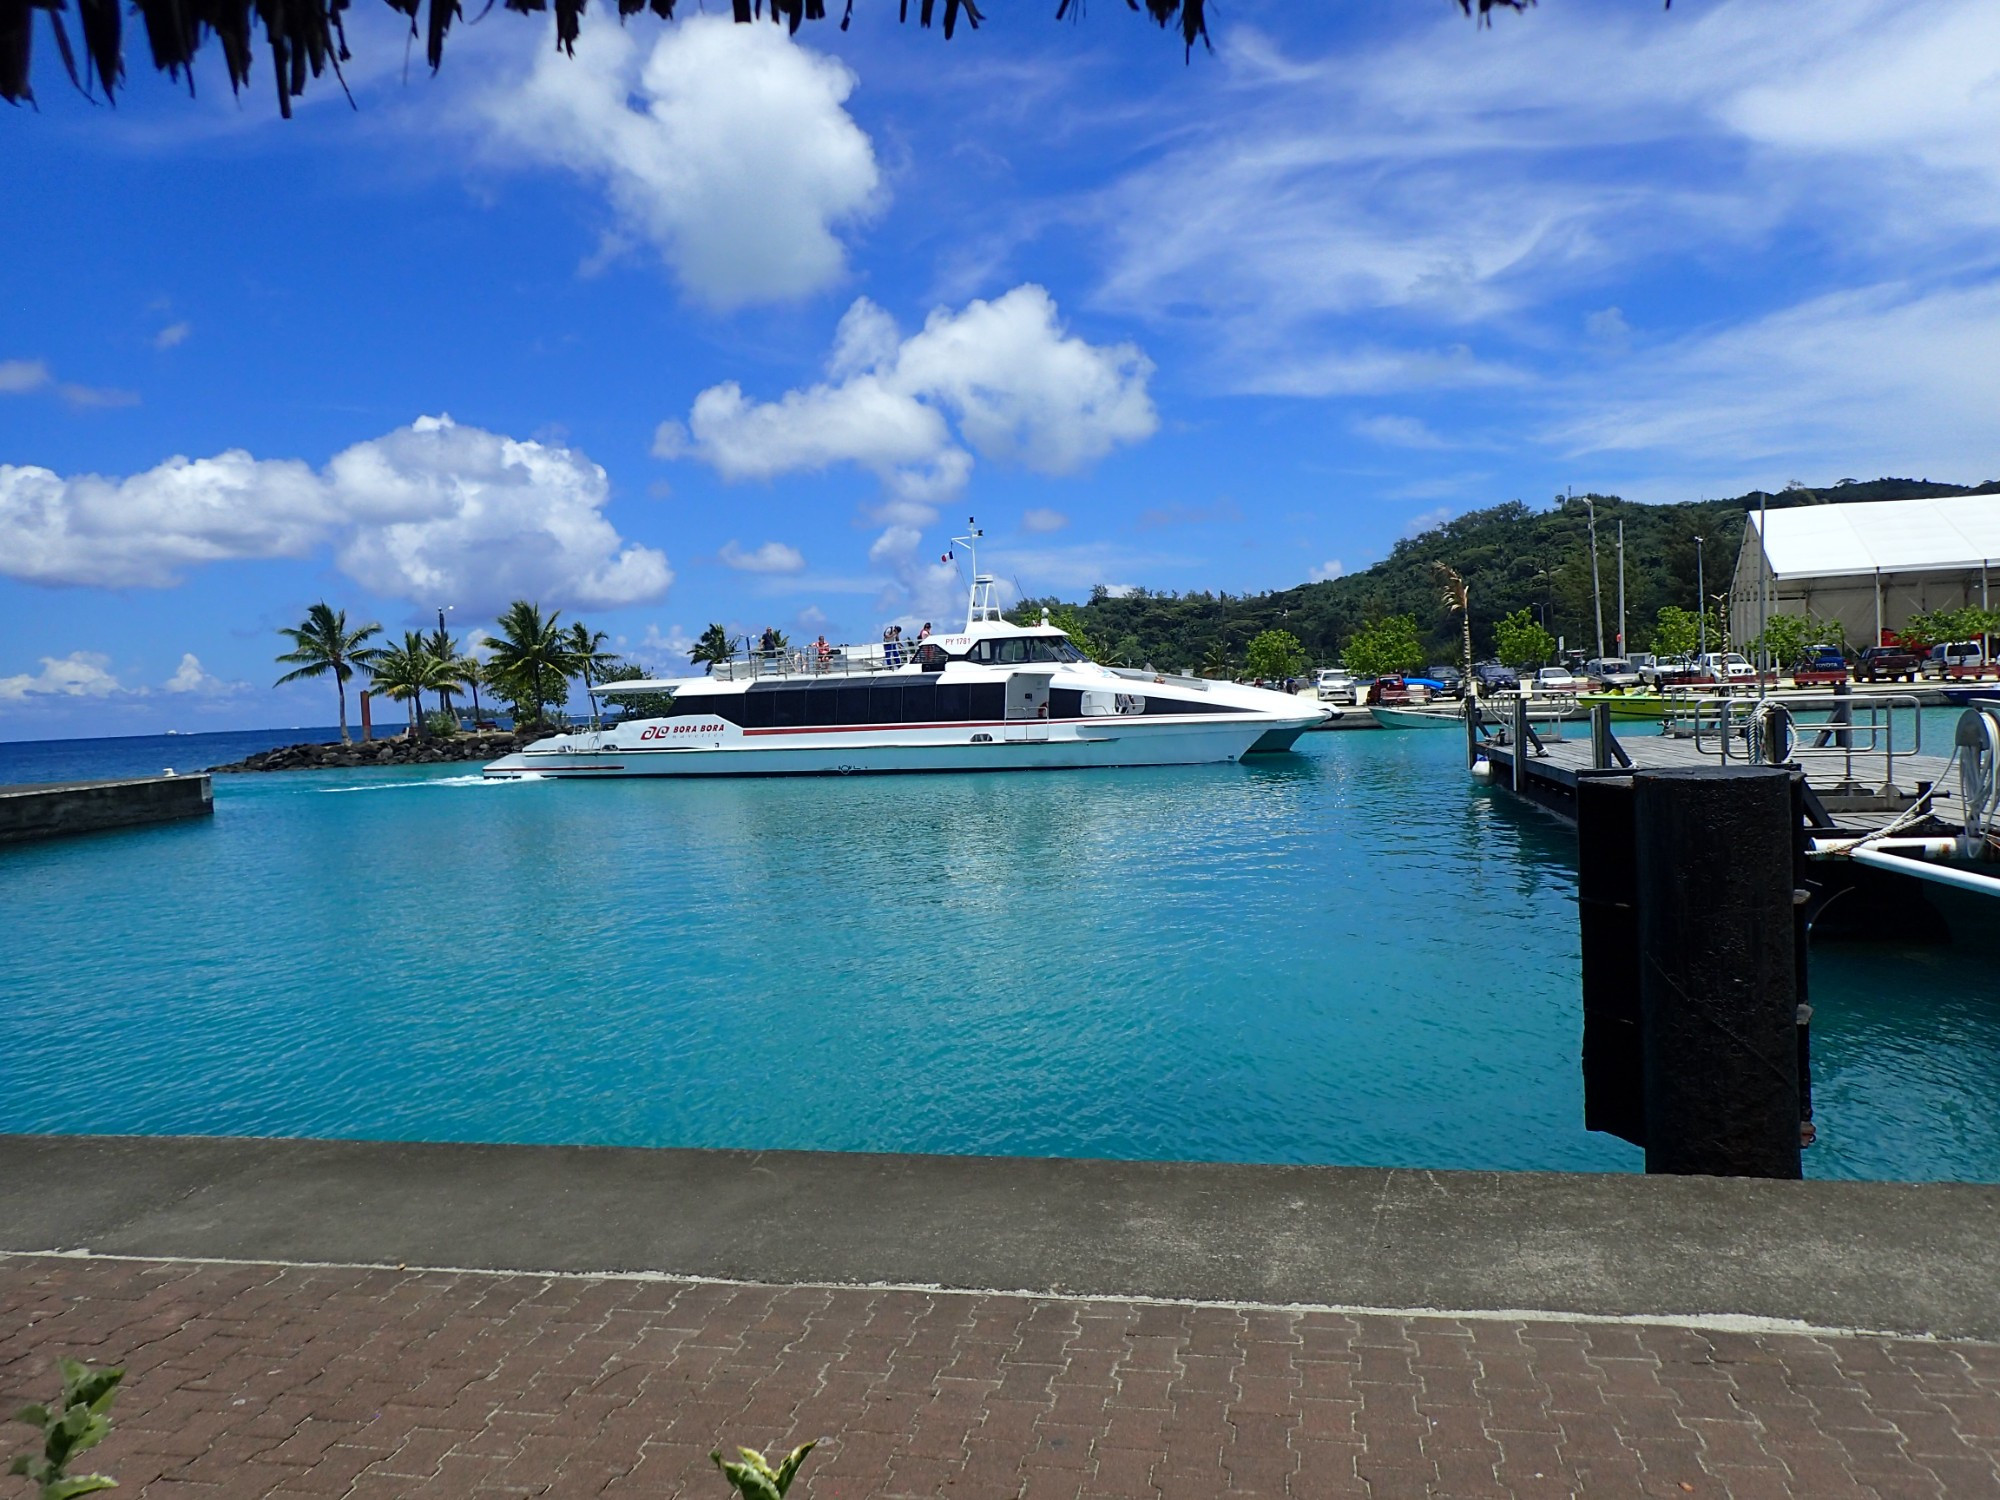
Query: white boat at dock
(994, 696)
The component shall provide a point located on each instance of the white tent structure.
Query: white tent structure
(1866, 566)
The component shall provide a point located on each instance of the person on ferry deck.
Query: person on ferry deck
(924, 634)
(823, 651)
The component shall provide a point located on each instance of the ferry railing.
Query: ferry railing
(839, 661)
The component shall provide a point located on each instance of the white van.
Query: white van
(1957, 654)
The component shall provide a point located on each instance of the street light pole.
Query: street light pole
(1621, 588)
(1700, 602)
(1596, 588)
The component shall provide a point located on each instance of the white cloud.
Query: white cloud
(1369, 199)
(772, 557)
(1331, 568)
(173, 335)
(1018, 388)
(1418, 524)
(1881, 380)
(665, 652)
(1608, 326)
(19, 376)
(726, 148)
(430, 512)
(81, 674)
(1399, 432)
(191, 677)
(1042, 519)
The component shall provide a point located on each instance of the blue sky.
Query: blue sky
(707, 324)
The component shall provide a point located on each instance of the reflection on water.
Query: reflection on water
(1350, 955)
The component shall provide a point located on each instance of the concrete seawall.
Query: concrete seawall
(52, 809)
(1918, 1258)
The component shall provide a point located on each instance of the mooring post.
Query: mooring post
(1521, 743)
(1718, 984)
(1600, 736)
(367, 723)
(1471, 726)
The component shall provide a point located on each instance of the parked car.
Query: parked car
(1886, 663)
(1557, 680)
(1727, 667)
(1821, 666)
(1950, 656)
(1494, 678)
(1450, 681)
(1668, 671)
(1335, 685)
(1611, 672)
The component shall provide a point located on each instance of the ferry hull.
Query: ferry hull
(1011, 747)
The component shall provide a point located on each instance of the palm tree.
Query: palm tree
(406, 673)
(322, 643)
(714, 646)
(1215, 661)
(530, 655)
(586, 648)
(454, 665)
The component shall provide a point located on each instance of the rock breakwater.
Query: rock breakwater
(487, 745)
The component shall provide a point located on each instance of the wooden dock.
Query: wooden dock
(1877, 776)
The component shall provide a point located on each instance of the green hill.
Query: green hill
(1512, 556)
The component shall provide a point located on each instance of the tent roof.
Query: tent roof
(1892, 536)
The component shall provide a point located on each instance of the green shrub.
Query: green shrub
(77, 1423)
(754, 1479)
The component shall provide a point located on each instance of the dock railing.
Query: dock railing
(1873, 730)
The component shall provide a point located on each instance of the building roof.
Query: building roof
(1889, 536)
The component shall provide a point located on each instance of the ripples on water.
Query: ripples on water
(1351, 955)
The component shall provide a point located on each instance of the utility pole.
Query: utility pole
(1596, 589)
(1700, 602)
(1763, 587)
(1621, 587)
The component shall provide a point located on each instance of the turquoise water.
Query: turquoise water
(1351, 955)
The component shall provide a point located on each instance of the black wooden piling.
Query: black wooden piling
(1614, 1072)
(1520, 745)
(1718, 990)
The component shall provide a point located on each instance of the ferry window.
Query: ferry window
(1052, 648)
(822, 705)
(981, 651)
(954, 702)
(756, 710)
(1065, 703)
(885, 703)
(1008, 651)
(788, 707)
(930, 655)
(989, 701)
(920, 703)
(854, 708)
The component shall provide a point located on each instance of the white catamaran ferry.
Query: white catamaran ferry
(993, 697)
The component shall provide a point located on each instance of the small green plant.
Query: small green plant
(441, 725)
(78, 1423)
(754, 1478)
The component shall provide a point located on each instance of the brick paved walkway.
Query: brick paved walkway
(255, 1381)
